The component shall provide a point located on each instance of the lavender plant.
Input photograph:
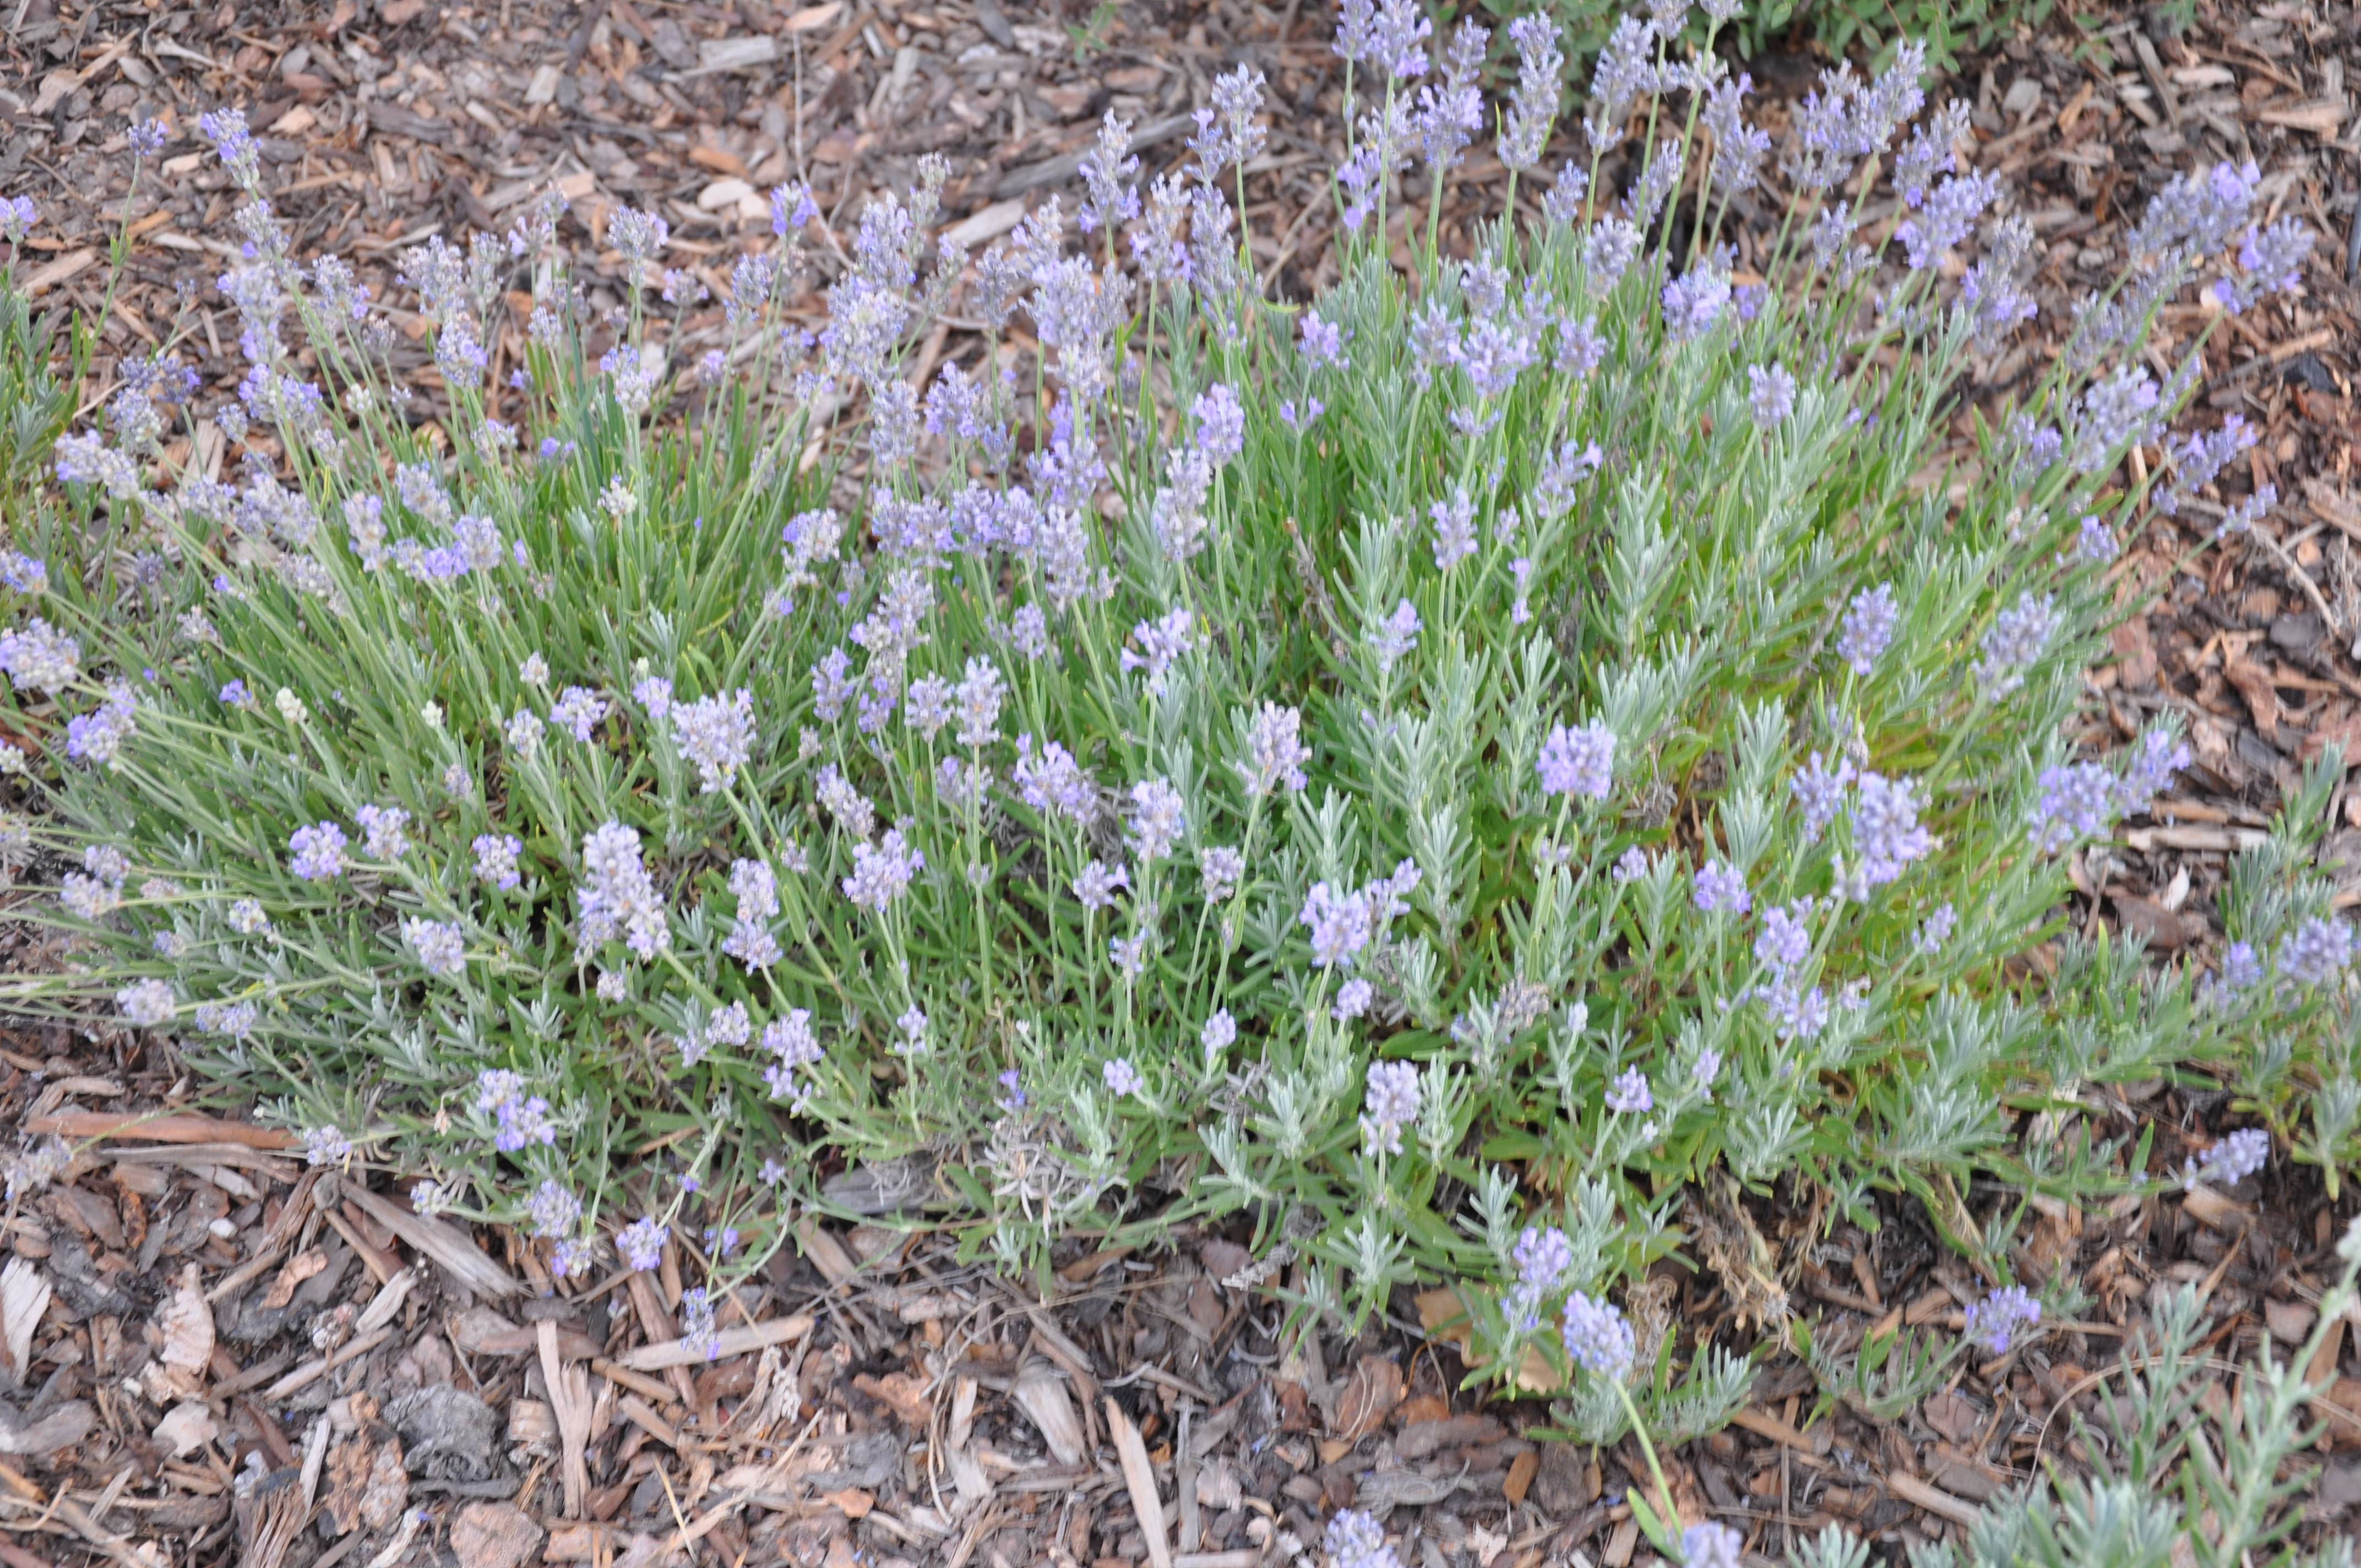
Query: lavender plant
(1421, 774)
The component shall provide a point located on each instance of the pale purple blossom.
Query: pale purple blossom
(642, 1244)
(1721, 887)
(1995, 1321)
(2018, 636)
(1578, 761)
(1867, 629)
(2077, 801)
(2317, 952)
(1275, 750)
(1390, 1103)
(317, 852)
(1598, 1337)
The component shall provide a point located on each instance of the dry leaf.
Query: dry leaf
(186, 1427)
(187, 1326)
(905, 1394)
(293, 1273)
(1369, 1395)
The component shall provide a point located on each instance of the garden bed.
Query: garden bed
(902, 1349)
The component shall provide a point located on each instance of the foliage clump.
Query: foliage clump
(1429, 773)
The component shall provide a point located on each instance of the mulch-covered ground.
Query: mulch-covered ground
(212, 1354)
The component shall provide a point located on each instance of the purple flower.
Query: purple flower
(881, 872)
(2236, 1157)
(555, 1211)
(2149, 771)
(1721, 887)
(1275, 750)
(1122, 1078)
(2116, 412)
(2094, 542)
(1739, 148)
(1994, 1322)
(1339, 922)
(1820, 792)
(1694, 302)
(1158, 818)
(791, 208)
(1712, 1546)
(1785, 939)
(441, 946)
(225, 129)
(1321, 343)
(1630, 1094)
(2317, 952)
(386, 831)
(1108, 171)
(1626, 70)
(1222, 868)
(1353, 999)
(1578, 761)
(716, 733)
(2018, 636)
(1450, 112)
(2078, 801)
(1773, 394)
(641, 1243)
(1948, 218)
(1389, 1104)
(2205, 454)
(1543, 1259)
(148, 137)
(326, 1145)
(1455, 529)
(1356, 1540)
(1885, 831)
(318, 852)
(1161, 643)
(1533, 108)
(1598, 1337)
(496, 859)
(2242, 967)
(1221, 424)
(2273, 260)
(1395, 636)
(1867, 629)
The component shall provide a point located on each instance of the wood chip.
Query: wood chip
(444, 1243)
(24, 1296)
(570, 1404)
(1140, 1479)
(728, 1342)
(1935, 1500)
(89, 1126)
(1042, 1394)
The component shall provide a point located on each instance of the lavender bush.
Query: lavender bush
(1426, 774)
